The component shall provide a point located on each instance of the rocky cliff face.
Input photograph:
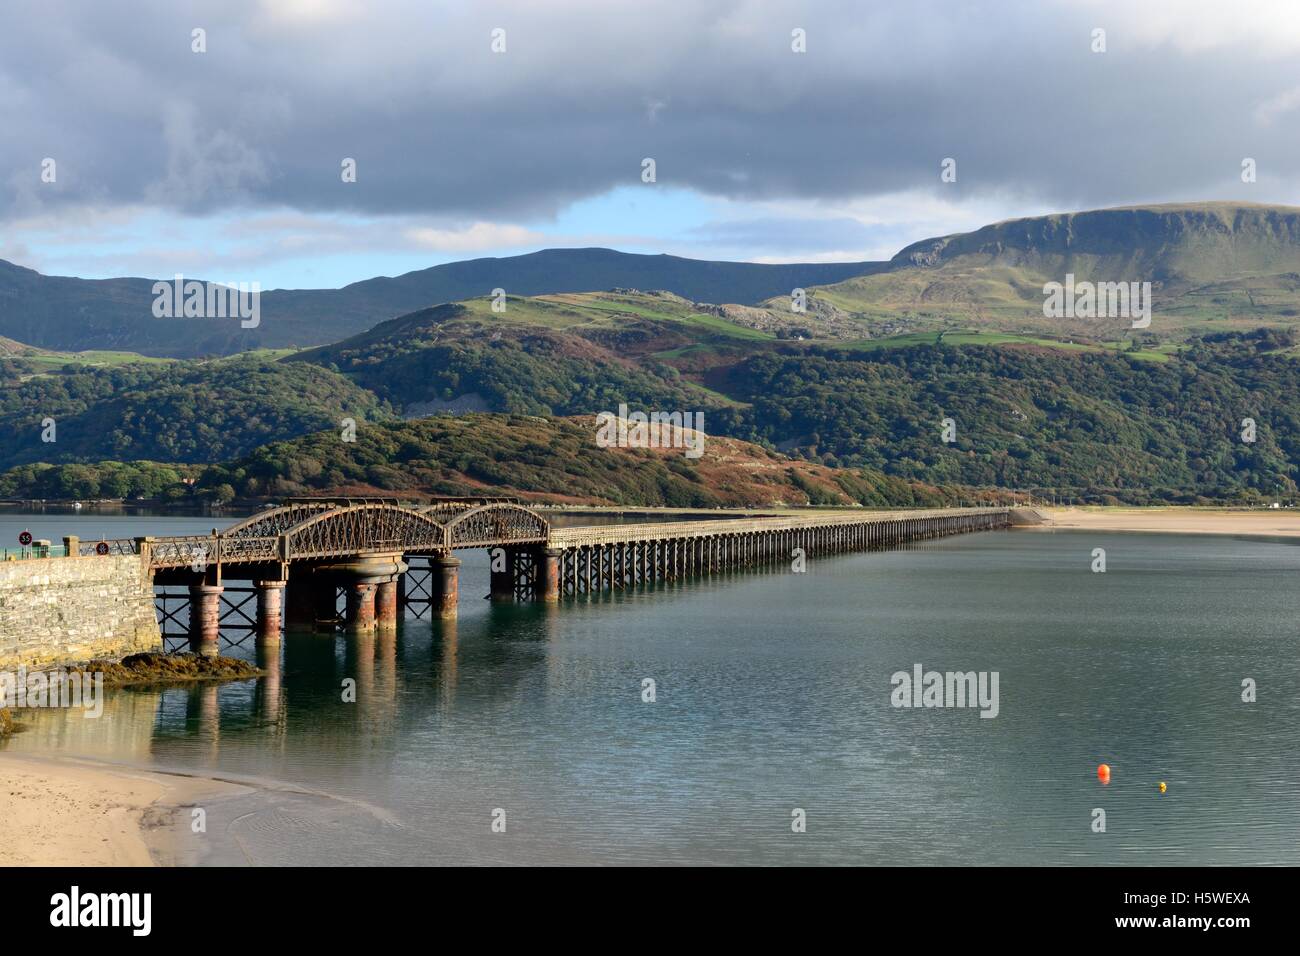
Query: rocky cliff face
(1201, 240)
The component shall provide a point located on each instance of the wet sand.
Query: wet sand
(1261, 522)
(66, 812)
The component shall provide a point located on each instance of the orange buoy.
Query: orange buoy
(1103, 773)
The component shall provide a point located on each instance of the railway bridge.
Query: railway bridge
(359, 563)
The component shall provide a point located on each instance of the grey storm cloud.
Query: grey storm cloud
(439, 124)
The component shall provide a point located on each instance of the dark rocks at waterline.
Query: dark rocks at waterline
(152, 668)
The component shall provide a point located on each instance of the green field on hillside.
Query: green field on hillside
(93, 358)
(1002, 338)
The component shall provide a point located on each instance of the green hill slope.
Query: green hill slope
(176, 412)
(1213, 267)
(551, 355)
(1030, 413)
(541, 460)
(1078, 420)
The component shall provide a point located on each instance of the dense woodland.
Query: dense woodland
(531, 373)
(553, 459)
(1100, 426)
(1105, 426)
(183, 412)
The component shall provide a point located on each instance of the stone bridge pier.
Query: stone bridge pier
(370, 591)
(370, 584)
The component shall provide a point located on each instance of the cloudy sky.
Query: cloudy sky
(226, 164)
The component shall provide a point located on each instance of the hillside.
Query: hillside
(1073, 419)
(11, 349)
(1103, 425)
(1137, 420)
(541, 460)
(550, 355)
(175, 412)
(1213, 267)
(70, 314)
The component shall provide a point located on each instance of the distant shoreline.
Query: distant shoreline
(1262, 523)
(1160, 519)
(133, 504)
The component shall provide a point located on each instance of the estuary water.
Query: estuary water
(772, 695)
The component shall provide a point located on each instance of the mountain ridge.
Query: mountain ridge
(926, 251)
(66, 313)
(1214, 267)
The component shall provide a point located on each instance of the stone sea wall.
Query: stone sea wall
(68, 610)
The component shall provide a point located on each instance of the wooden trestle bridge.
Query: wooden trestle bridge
(379, 557)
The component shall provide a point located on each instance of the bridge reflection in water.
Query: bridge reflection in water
(361, 564)
(304, 679)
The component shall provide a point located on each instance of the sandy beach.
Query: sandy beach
(1261, 522)
(67, 812)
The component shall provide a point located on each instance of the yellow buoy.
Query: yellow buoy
(1162, 786)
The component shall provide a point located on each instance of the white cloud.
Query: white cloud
(305, 12)
(1265, 28)
(475, 238)
(1267, 112)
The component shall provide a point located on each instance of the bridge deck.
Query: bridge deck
(305, 530)
(387, 556)
(669, 530)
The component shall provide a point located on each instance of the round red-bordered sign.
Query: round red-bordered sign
(25, 538)
(101, 548)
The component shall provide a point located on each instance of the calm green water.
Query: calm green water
(773, 693)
